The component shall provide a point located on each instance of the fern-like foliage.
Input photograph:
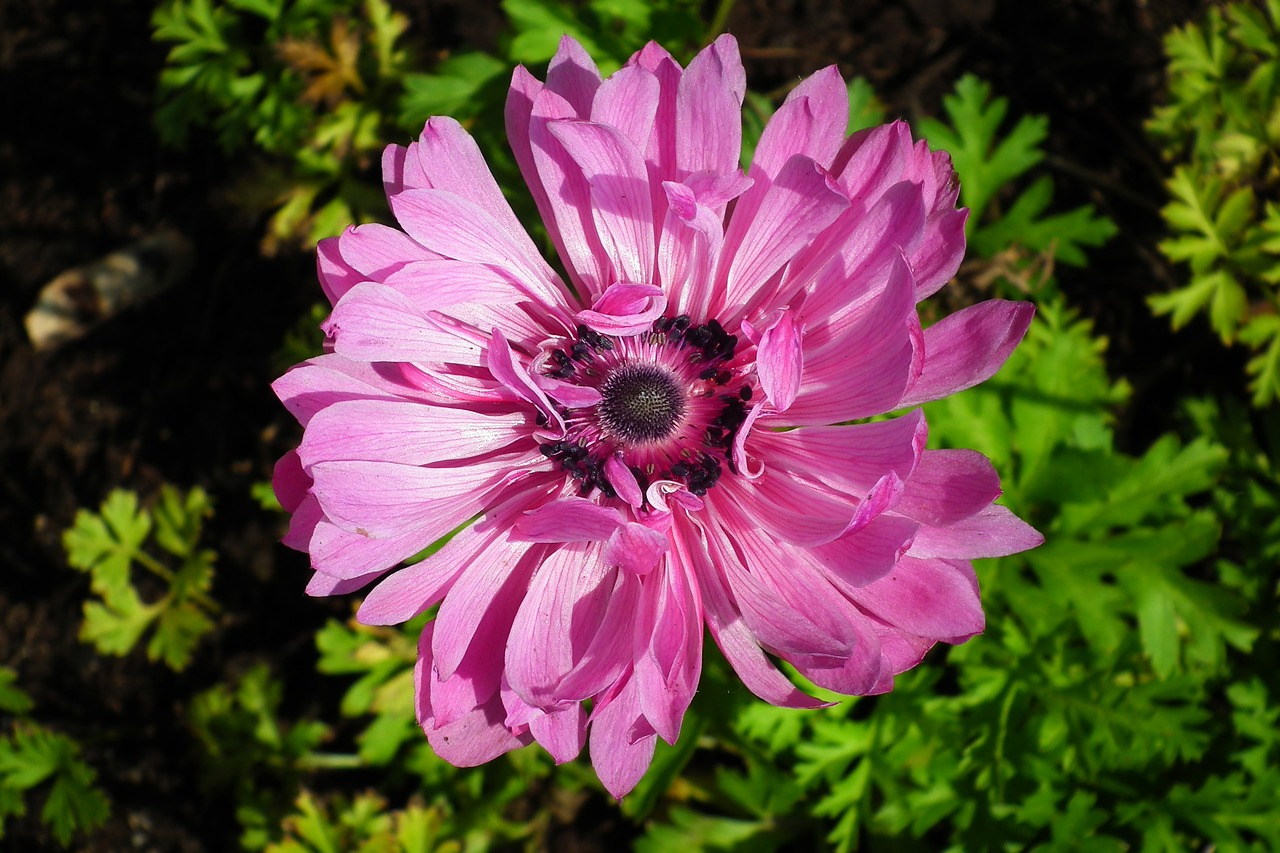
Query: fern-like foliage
(1220, 131)
(36, 761)
(122, 543)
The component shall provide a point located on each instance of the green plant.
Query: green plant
(247, 748)
(33, 758)
(362, 825)
(1012, 229)
(1221, 132)
(123, 542)
(310, 85)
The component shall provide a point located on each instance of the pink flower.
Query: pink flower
(663, 441)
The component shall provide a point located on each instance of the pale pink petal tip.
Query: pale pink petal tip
(685, 433)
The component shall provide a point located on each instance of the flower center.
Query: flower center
(671, 400)
(642, 403)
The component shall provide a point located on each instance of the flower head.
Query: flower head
(666, 440)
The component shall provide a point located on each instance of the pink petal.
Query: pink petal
(802, 513)
(949, 485)
(502, 363)
(787, 601)
(346, 555)
(939, 254)
(413, 589)
(635, 548)
(567, 393)
(560, 615)
(397, 173)
(457, 228)
(609, 654)
(668, 653)
(854, 674)
(865, 555)
(730, 631)
(850, 458)
(573, 76)
(621, 207)
(853, 255)
(570, 519)
(561, 732)
(692, 233)
(931, 598)
(993, 532)
(861, 368)
(623, 481)
(660, 153)
(322, 381)
(873, 160)
(625, 309)
(375, 250)
(800, 204)
(290, 482)
(709, 110)
(628, 101)
(384, 500)
(619, 759)
(471, 739)
(336, 275)
(780, 361)
(968, 347)
(407, 432)
(303, 523)
(487, 594)
(374, 323)
(452, 161)
(567, 212)
(322, 585)
(811, 122)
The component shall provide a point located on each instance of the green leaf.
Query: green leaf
(539, 26)
(115, 628)
(983, 163)
(12, 700)
(1063, 236)
(178, 519)
(455, 89)
(865, 109)
(106, 544)
(110, 545)
(32, 756)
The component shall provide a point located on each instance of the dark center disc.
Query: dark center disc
(642, 402)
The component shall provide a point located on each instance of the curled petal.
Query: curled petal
(625, 309)
(780, 361)
(635, 548)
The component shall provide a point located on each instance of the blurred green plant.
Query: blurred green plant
(34, 758)
(246, 748)
(123, 541)
(1220, 130)
(316, 87)
(309, 85)
(362, 825)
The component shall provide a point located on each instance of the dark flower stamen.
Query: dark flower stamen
(642, 402)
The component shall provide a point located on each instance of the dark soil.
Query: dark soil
(176, 390)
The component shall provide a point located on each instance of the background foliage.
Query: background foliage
(1121, 697)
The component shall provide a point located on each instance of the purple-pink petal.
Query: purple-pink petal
(968, 347)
